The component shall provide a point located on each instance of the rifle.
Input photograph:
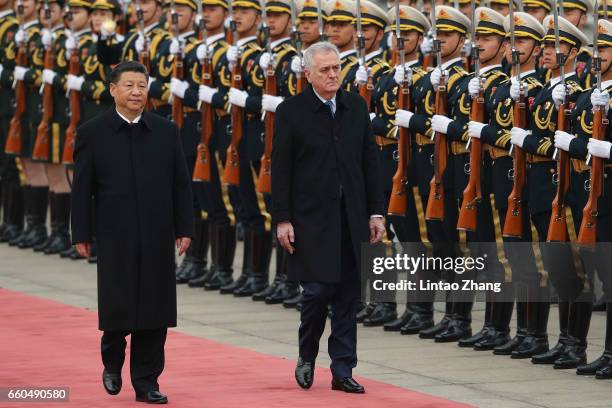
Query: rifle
(297, 41)
(231, 174)
(177, 69)
(322, 35)
(513, 225)
(365, 89)
(435, 203)
(557, 228)
(14, 140)
(588, 227)
(74, 101)
(41, 145)
(144, 57)
(472, 195)
(264, 182)
(397, 202)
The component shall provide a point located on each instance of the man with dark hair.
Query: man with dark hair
(126, 159)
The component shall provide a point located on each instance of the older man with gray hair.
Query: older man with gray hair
(323, 159)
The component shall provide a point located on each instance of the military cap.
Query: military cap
(112, 5)
(222, 3)
(79, 3)
(59, 2)
(411, 19)
(372, 14)
(254, 4)
(525, 25)
(341, 10)
(568, 33)
(190, 3)
(489, 22)
(308, 9)
(545, 4)
(462, 2)
(278, 6)
(600, 9)
(450, 19)
(584, 5)
(604, 36)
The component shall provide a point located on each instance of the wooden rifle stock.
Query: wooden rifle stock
(557, 228)
(177, 103)
(41, 144)
(398, 202)
(435, 203)
(14, 140)
(301, 83)
(75, 110)
(588, 227)
(472, 195)
(201, 171)
(145, 59)
(264, 182)
(231, 173)
(513, 226)
(365, 90)
(427, 60)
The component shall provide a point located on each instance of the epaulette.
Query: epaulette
(573, 87)
(533, 83)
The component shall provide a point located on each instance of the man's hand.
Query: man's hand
(286, 236)
(377, 229)
(182, 244)
(84, 249)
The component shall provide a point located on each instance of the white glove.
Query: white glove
(563, 140)
(558, 95)
(474, 87)
(398, 77)
(515, 89)
(467, 48)
(205, 93)
(70, 43)
(372, 116)
(227, 22)
(19, 73)
(402, 118)
(264, 60)
(139, 44)
(201, 52)
(1, 69)
(426, 45)
(599, 98)
(48, 75)
(46, 38)
(232, 54)
(435, 77)
(269, 102)
(21, 36)
(105, 32)
(175, 47)
(475, 129)
(361, 75)
(599, 148)
(296, 64)
(439, 123)
(178, 87)
(237, 97)
(74, 83)
(517, 136)
(151, 80)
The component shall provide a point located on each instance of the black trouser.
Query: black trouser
(146, 356)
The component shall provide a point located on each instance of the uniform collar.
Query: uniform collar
(346, 53)
(554, 81)
(185, 35)
(527, 73)
(29, 24)
(150, 27)
(413, 62)
(447, 64)
(276, 43)
(5, 13)
(243, 41)
(57, 28)
(606, 84)
(213, 38)
(372, 55)
(81, 33)
(484, 70)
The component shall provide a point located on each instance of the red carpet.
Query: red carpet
(45, 343)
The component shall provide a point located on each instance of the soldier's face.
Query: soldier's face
(526, 47)
(149, 10)
(80, 18)
(537, 12)
(412, 40)
(324, 75)
(489, 47)
(130, 92)
(549, 55)
(502, 9)
(373, 36)
(450, 42)
(98, 17)
(279, 23)
(309, 29)
(29, 8)
(605, 53)
(466, 9)
(340, 33)
(214, 16)
(246, 19)
(185, 17)
(55, 17)
(575, 16)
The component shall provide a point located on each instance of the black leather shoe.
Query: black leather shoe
(347, 385)
(75, 256)
(188, 270)
(67, 252)
(261, 296)
(254, 284)
(304, 373)
(292, 303)
(383, 313)
(229, 289)
(417, 323)
(494, 338)
(457, 329)
(283, 291)
(152, 397)
(432, 331)
(574, 356)
(397, 324)
(58, 244)
(112, 382)
(365, 312)
(592, 368)
(201, 280)
(219, 279)
(549, 356)
(507, 348)
(605, 372)
(530, 346)
(470, 341)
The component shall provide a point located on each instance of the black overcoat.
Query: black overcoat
(314, 155)
(142, 200)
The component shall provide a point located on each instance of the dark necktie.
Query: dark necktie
(330, 105)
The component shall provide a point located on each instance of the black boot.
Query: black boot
(397, 324)
(421, 319)
(260, 254)
(40, 202)
(460, 326)
(579, 321)
(433, 331)
(536, 341)
(247, 267)
(226, 235)
(499, 331)
(285, 288)
(4, 205)
(27, 218)
(294, 302)
(482, 333)
(557, 351)
(604, 362)
(385, 312)
(13, 210)
(365, 311)
(212, 238)
(61, 239)
(195, 262)
(53, 215)
(521, 331)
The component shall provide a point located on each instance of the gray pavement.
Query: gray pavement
(444, 370)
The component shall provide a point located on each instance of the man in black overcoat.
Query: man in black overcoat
(132, 183)
(326, 202)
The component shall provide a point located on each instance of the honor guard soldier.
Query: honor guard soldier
(11, 191)
(341, 32)
(501, 6)
(539, 9)
(525, 34)
(577, 12)
(543, 181)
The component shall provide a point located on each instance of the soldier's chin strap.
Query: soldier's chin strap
(496, 53)
(459, 42)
